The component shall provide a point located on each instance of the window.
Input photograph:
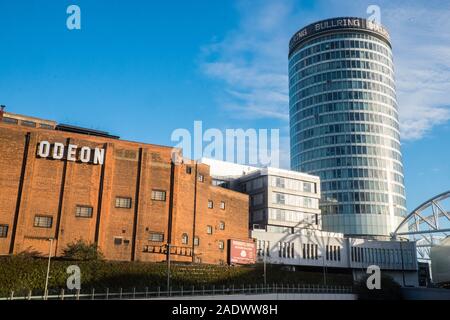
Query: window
(209, 229)
(279, 182)
(158, 195)
(3, 230)
(196, 241)
(221, 245)
(222, 205)
(46, 126)
(184, 238)
(257, 199)
(28, 123)
(210, 204)
(280, 198)
(222, 225)
(156, 237)
(43, 221)
(10, 120)
(307, 187)
(83, 212)
(126, 242)
(188, 170)
(118, 241)
(123, 202)
(201, 178)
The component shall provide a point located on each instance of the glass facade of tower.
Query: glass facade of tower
(344, 123)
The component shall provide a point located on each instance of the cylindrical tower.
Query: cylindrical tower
(344, 123)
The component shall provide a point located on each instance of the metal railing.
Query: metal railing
(181, 291)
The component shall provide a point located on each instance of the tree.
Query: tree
(82, 251)
(390, 289)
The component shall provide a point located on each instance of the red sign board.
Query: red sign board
(242, 252)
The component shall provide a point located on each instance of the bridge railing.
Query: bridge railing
(155, 293)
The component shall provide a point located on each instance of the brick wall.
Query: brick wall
(54, 188)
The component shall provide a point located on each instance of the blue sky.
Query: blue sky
(141, 69)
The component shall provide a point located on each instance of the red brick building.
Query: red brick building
(69, 183)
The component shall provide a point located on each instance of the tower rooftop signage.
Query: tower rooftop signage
(346, 23)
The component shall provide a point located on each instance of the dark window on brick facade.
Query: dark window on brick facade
(84, 212)
(184, 238)
(122, 202)
(3, 230)
(43, 221)
(46, 126)
(28, 123)
(118, 241)
(10, 120)
(156, 237)
(188, 170)
(158, 195)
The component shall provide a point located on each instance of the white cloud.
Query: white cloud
(422, 59)
(252, 59)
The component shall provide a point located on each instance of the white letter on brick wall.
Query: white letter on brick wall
(58, 151)
(85, 154)
(99, 156)
(71, 152)
(44, 149)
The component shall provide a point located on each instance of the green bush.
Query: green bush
(390, 289)
(82, 251)
(21, 274)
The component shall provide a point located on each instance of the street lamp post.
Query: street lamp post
(265, 267)
(48, 269)
(168, 267)
(324, 270)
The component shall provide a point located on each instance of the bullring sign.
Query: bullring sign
(59, 151)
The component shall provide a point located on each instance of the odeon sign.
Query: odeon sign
(59, 151)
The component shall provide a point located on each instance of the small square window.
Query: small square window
(3, 230)
(122, 202)
(43, 221)
(210, 204)
(118, 241)
(209, 229)
(83, 212)
(156, 236)
(222, 205)
(158, 195)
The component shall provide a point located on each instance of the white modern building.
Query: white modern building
(344, 123)
(285, 221)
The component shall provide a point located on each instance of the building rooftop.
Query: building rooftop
(27, 121)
